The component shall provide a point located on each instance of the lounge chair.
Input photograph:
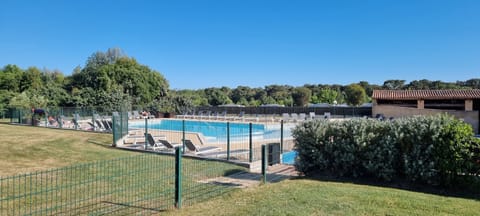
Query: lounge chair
(302, 116)
(199, 115)
(208, 113)
(106, 125)
(294, 117)
(217, 115)
(136, 115)
(99, 125)
(241, 116)
(155, 145)
(193, 148)
(285, 117)
(326, 115)
(169, 145)
(75, 119)
(311, 115)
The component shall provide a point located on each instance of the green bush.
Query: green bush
(438, 150)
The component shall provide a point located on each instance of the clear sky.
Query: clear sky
(214, 43)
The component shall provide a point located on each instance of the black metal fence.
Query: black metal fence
(223, 138)
(142, 184)
(338, 111)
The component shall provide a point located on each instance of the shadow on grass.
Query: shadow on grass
(152, 210)
(232, 171)
(101, 144)
(467, 193)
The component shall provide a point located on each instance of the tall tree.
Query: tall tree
(217, 97)
(10, 78)
(327, 95)
(394, 84)
(301, 96)
(355, 94)
(32, 79)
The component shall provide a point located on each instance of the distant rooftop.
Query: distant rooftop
(426, 94)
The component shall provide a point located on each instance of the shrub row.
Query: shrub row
(438, 150)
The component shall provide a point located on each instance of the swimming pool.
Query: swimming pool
(217, 131)
(289, 157)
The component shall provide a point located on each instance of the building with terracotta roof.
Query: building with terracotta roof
(464, 104)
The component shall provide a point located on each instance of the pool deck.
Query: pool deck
(252, 178)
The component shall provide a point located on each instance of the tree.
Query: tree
(217, 97)
(394, 84)
(108, 72)
(301, 96)
(10, 78)
(355, 94)
(473, 83)
(243, 94)
(31, 79)
(5, 97)
(327, 95)
(278, 92)
(27, 100)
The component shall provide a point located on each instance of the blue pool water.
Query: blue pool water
(289, 157)
(215, 131)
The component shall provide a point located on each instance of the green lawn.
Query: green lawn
(315, 197)
(27, 149)
(128, 184)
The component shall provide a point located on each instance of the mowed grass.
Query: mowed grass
(315, 197)
(26, 149)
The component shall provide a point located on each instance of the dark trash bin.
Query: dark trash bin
(273, 153)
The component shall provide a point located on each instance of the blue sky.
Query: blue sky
(207, 43)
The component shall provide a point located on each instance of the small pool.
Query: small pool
(289, 157)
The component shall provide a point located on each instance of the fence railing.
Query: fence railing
(334, 111)
(234, 140)
(137, 184)
(81, 118)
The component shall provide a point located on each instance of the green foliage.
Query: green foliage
(301, 96)
(108, 72)
(172, 104)
(217, 96)
(394, 84)
(10, 78)
(355, 94)
(112, 75)
(437, 150)
(326, 95)
(27, 100)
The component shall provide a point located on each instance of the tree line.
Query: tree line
(112, 79)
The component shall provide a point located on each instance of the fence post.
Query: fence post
(281, 136)
(75, 116)
(250, 143)
(121, 123)
(264, 163)
(93, 122)
(228, 140)
(60, 121)
(183, 136)
(114, 130)
(146, 133)
(178, 177)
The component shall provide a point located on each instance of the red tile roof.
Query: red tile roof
(425, 94)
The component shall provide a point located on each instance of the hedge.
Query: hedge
(437, 150)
